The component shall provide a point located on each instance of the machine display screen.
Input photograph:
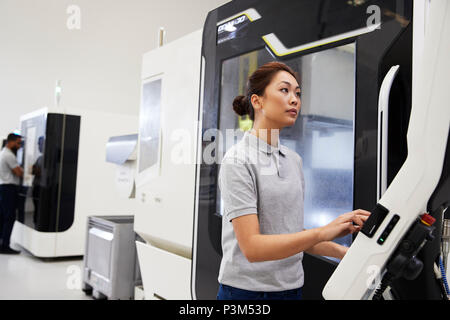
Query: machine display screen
(150, 124)
(323, 134)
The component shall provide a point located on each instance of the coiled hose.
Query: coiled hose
(444, 277)
(385, 282)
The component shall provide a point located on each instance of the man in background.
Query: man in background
(10, 174)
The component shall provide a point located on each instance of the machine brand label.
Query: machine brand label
(230, 29)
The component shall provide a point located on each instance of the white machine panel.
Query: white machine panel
(361, 270)
(165, 186)
(165, 182)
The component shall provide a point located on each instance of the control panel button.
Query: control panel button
(387, 231)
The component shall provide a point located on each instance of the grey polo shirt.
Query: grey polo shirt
(257, 178)
(8, 161)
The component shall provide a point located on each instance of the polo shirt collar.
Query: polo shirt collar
(263, 146)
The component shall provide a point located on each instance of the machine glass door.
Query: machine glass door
(323, 134)
(34, 178)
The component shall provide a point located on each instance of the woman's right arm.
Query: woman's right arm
(258, 247)
(238, 190)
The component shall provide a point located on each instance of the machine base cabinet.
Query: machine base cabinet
(168, 277)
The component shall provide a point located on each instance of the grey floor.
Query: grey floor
(25, 277)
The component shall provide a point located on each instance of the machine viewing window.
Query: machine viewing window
(34, 176)
(150, 124)
(324, 131)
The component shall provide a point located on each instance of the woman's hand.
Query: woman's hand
(347, 223)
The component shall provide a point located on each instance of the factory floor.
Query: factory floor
(25, 277)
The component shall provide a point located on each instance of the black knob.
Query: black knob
(413, 269)
(407, 246)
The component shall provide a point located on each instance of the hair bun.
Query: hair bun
(240, 105)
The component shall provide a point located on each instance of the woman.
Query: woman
(262, 187)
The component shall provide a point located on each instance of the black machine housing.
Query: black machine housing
(297, 23)
(47, 197)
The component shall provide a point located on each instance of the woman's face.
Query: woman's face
(280, 104)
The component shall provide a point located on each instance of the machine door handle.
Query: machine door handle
(383, 126)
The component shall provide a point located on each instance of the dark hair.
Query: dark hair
(257, 84)
(13, 137)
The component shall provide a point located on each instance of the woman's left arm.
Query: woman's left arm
(328, 249)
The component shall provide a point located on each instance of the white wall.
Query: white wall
(99, 64)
